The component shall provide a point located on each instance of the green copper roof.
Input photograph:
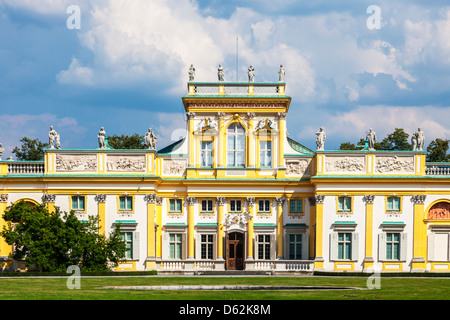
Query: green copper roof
(299, 147)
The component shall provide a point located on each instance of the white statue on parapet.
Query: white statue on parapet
(371, 139)
(150, 139)
(281, 73)
(418, 140)
(191, 73)
(251, 74)
(320, 140)
(221, 73)
(101, 138)
(53, 139)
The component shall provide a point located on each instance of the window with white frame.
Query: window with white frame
(127, 237)
(296, 205)
(207, 246)
(235, 206)
(263, 205)
(206, 158)
(393, 246)
(175, 205)
(295, 246)
(126, 203)
(263, 245)
(207, 205)
(78, 203)
(344, 246)
(344, 204)
(392, 242)
(265, 153)
(393, 203)
(235, 145)
(175, 246)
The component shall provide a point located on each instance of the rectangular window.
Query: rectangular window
(207, 246)
(206, 153)
(207, 206)
(78, 203)
(296, 206)
(128, 238)
(295, 246)
(175, 205)
(235, 206)
(263, 205)
(393, 246)
(345, 246)
(175, 246)
(264, 247)
(265, 153)
(393, 204)
(344, 204)
(125, 203)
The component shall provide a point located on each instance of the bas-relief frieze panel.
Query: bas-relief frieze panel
(299, 167)
(118, 163)
(173, 167)
(76, 163)
(394, 164)
(345, 164)
(440, 210)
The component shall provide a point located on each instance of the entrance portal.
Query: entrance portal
(235, 251)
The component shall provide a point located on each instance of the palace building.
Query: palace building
(238, 194)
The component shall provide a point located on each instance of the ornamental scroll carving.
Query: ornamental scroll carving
(297, 167)
(116, 163)
(76, 163)
(345, 164)
(174, 167)
(394, 164)
(440, 210)
(236, 220)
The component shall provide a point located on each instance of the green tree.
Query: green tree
(30, 150)
(54, 241)
(135, 141)
(347, 146)
(437, 151)
(397, 140)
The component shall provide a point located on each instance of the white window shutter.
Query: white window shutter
(403, 246)
(355, 246)
(334, 246)
(382, 246)
(305, 245)
(184, 246)
(273, 247)
(431, 246)
(136, 246)
(165, 246)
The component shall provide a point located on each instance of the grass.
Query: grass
(391, 288)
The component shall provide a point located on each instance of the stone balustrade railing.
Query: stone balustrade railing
(26, 168)
(437, 169)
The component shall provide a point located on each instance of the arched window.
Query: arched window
(235, 145)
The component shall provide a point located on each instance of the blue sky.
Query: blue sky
(126, 67)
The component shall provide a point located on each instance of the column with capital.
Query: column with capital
(312, 223)
(151, 249)
(368, 259)
(191, 214)
(418, 262)
(101, 199)
(280, 245)
(49, 200)
(5, 249)
(220, 231)
(318, 261)
(251, 211)
(158, 212)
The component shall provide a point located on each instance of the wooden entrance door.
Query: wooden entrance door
(235, 251)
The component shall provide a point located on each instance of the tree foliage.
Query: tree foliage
(135, 141)
(30, 150)
(437, 150)
(395, 141)
(54, 241)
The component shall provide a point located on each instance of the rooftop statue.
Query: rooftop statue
(251, 74)
(418, 140)
(281, 73)
(1, 151)
(101, 138)
(320, 141)
(371, 139)
(53, 138)
(191, 73)
(150, 139)
(220, 73)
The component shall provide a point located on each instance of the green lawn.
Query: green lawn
(38, 288)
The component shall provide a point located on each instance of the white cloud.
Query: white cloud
(76, 74)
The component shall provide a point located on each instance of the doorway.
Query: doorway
(235, 251)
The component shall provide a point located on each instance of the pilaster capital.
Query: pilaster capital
(368, 199)
(49, 198)
(150, 198)
(250, 201)
(312, 201)
(320, 198)
(221, 200)
(191, 200)
(4, 198)
(418, 199)
(101, 198)
(159, 201)
(190, 115)
(280, 200)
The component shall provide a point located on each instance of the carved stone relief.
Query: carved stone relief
(76, 163)
(174, 167)
(239, 221)
(117, 163)
(299, 167)
(440, 210)
(394, 164)
(345, 164)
